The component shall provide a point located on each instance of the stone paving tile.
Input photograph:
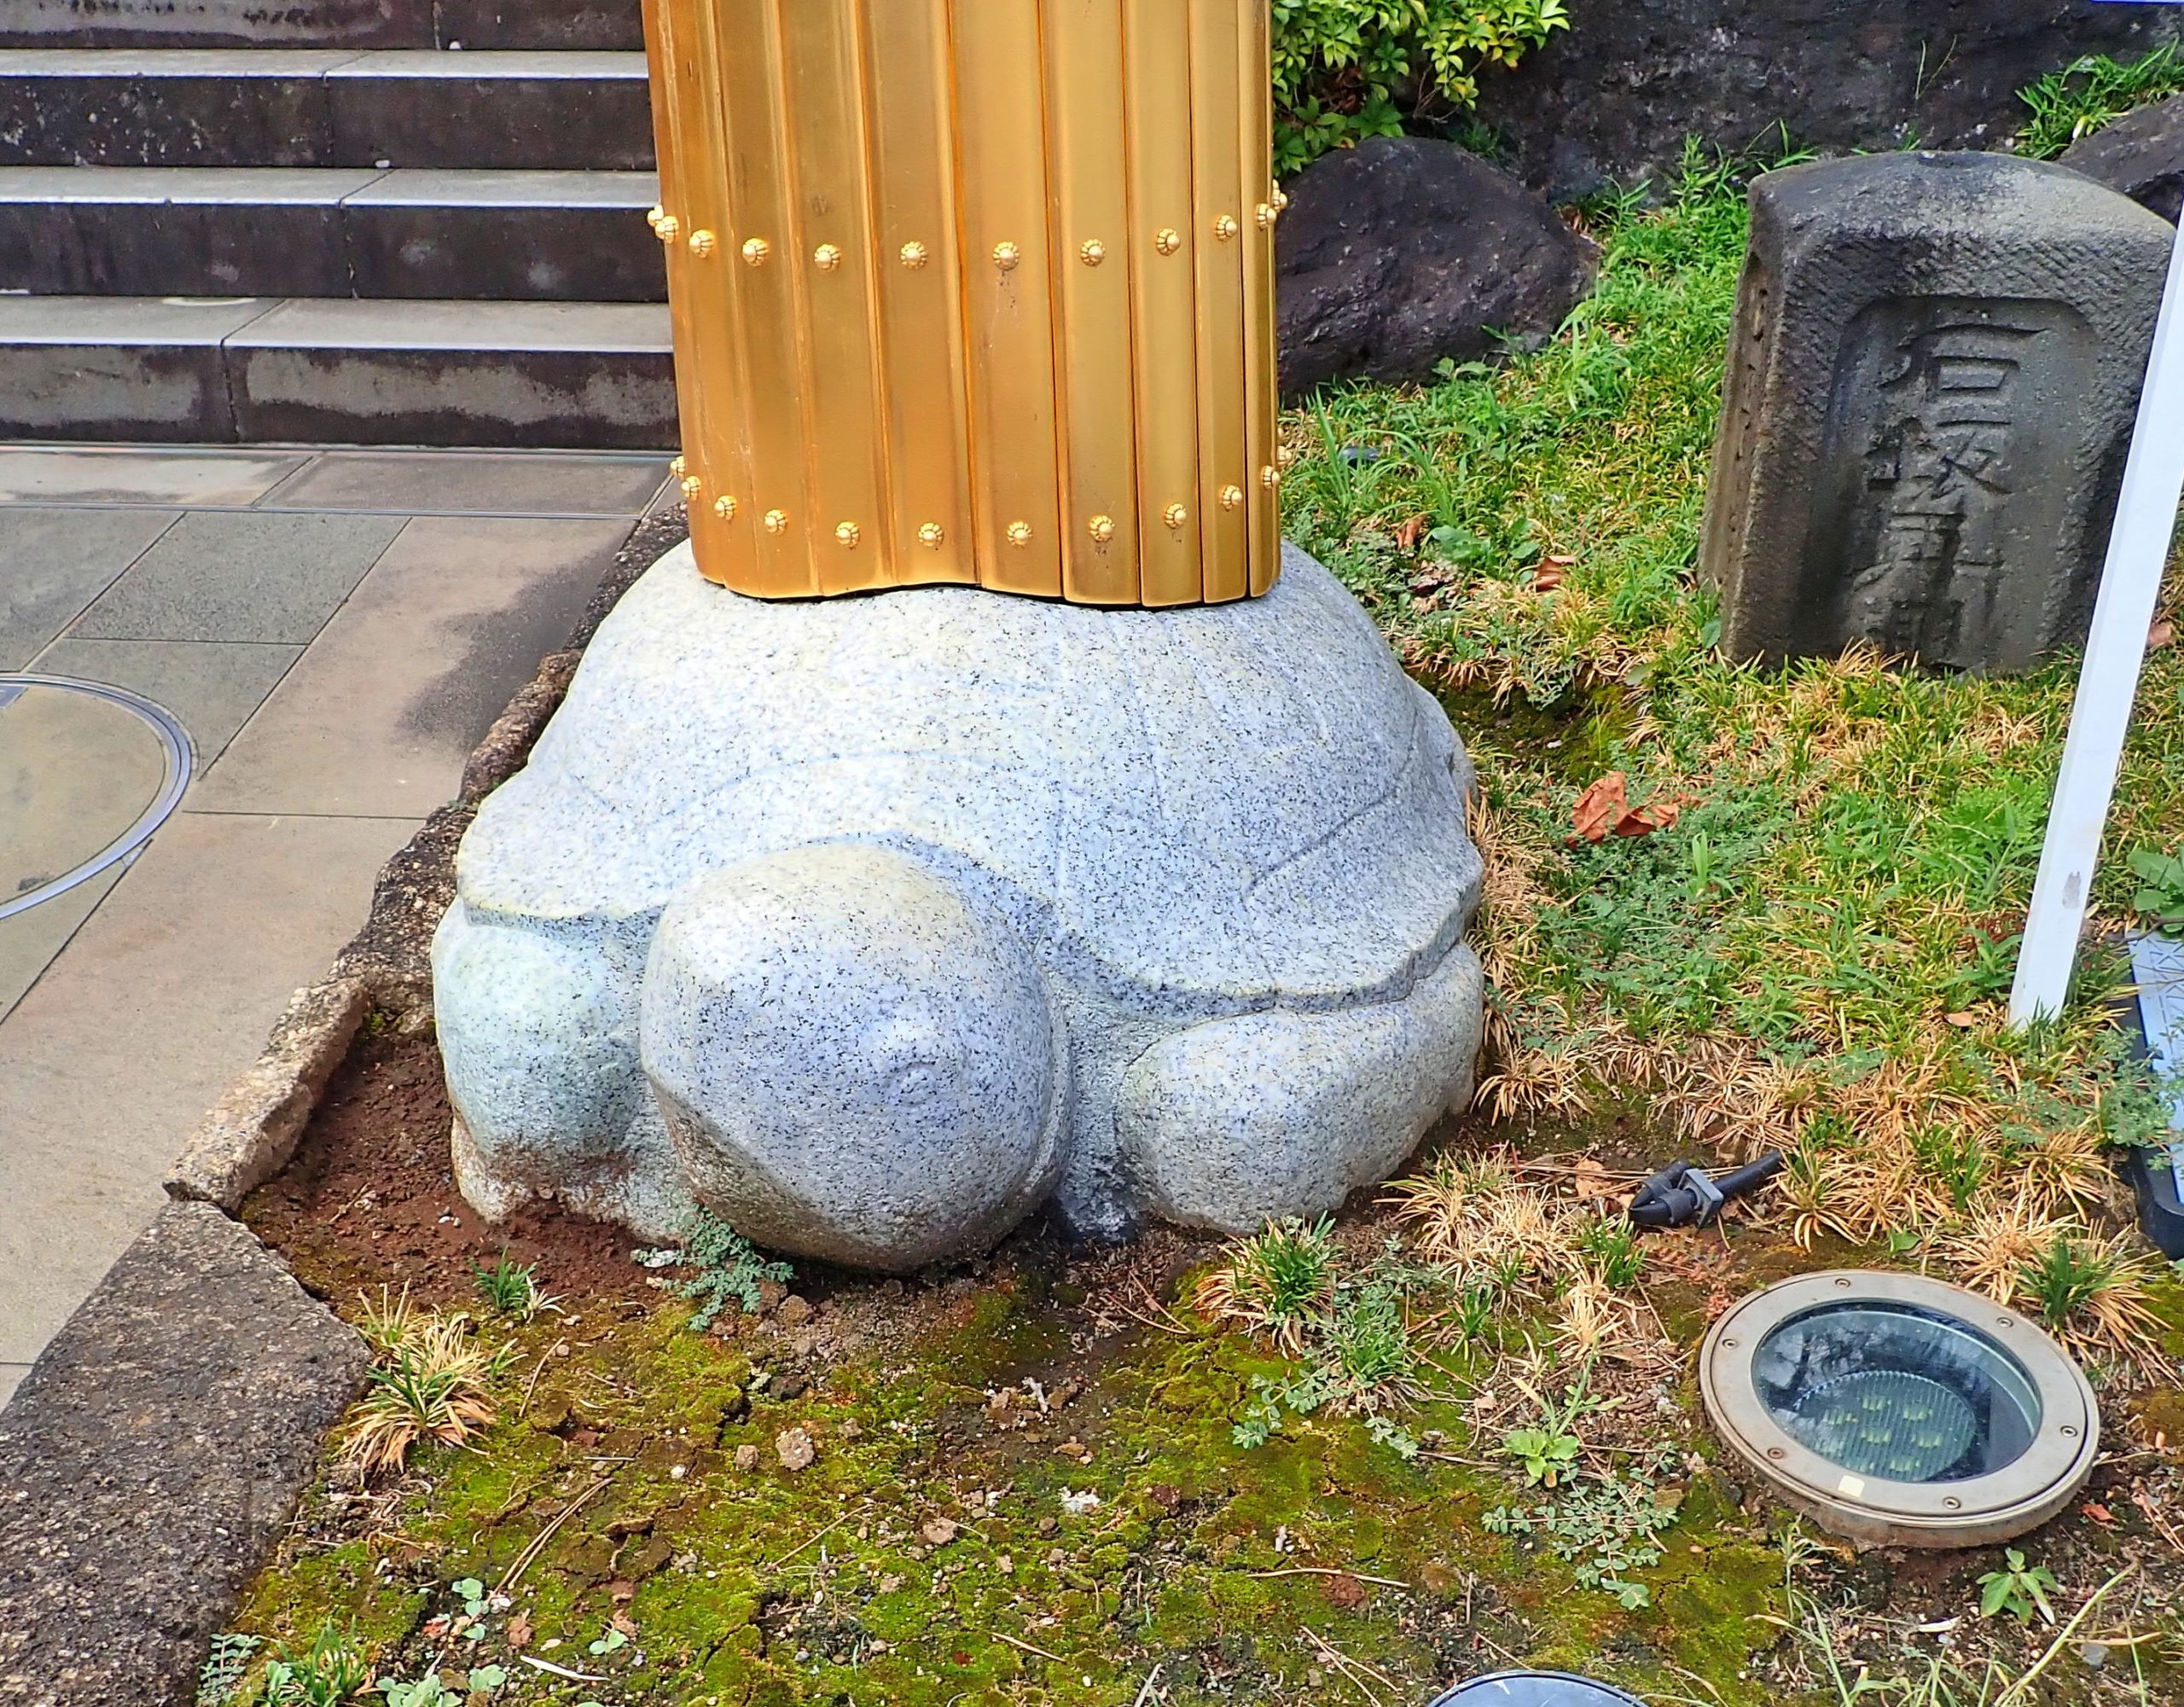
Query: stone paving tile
(211, 686)
(94, 476)
(379, 715)
(160, 1000)
(30, 941)
(55, 562)
(421, 483)
(241, 577)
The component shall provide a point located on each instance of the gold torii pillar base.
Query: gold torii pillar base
(972, 291)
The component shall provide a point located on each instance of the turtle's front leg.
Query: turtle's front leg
(1286, 1112)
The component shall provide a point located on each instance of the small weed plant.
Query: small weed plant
(511, 1289)
(2017, 1589)
(1344, 70)
(222, 1673)
(430, 1379)
(328, 1673)
(2091, 93)
(727, 1269)
(1608, 1527)
(2159, 898)
(1278, 1283)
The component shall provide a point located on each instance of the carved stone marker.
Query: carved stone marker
(1931, 390)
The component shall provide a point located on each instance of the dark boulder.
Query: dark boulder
(1614, 96)
(2142, 154)
(1403, 253)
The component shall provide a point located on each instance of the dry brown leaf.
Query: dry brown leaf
(939, 1531)
(1602, 807)
(1550, 576)
(2163, 634)
(1412, 531)
(520, 1632)
(1963, 1022)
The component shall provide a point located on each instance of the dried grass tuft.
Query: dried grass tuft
(432, 1380)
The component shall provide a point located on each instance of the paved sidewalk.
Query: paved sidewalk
(335, 630)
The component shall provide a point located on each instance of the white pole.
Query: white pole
(2115, 654)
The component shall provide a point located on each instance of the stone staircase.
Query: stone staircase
(415, 221)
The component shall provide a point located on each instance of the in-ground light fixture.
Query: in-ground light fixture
(1894, 1409)
(1535, 1689)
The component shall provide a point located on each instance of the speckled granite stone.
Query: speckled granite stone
(1178, 818)
(151, 1458)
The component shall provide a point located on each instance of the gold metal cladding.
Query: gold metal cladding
(1033, 345)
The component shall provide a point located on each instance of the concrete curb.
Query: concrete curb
(250, 1132)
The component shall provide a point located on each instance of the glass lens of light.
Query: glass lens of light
(1535, 1689)
(1892, 1390)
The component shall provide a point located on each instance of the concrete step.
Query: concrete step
(328, 231)
(572, 374)
(294, 107)
(606, 26)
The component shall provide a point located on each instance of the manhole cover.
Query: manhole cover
(87, 772)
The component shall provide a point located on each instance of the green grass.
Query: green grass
(1834, 915)
(2091, 92)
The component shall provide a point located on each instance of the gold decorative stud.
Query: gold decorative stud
(849, 533)
(1270, 478)
(1103, 529)
(1281, 201)
(703, 243)
(1268, 214)
(1284, 456)
(667, 227)
(916, 255)
(1006, 256)
(1175, 515)
(725, 508)
(777, 521)
(1231, 497)
(1226, 228)
(1168, 240)
(827, 257)
(1093, 253)
(653, 215)
(679, 467)
(692, 486)
(932, 535)
(757, 251)
(1019, 534)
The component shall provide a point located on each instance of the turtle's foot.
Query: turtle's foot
(1283, 1112)
(855, 1060)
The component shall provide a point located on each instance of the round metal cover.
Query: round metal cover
(1536, 1689)
(1892, 1408)
(87, 772)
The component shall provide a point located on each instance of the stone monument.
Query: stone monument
(873, 923)
(1931, 390)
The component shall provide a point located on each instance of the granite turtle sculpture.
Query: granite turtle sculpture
(874, 924)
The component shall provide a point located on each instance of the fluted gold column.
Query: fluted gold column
(973, 290)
